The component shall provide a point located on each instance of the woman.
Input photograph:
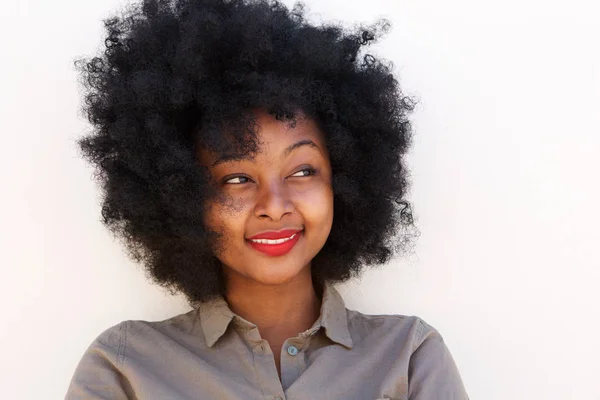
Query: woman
(250, 160)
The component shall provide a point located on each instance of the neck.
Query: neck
(280, 311)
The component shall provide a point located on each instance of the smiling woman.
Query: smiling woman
(250, 161)
(277, 217)
(283, 192)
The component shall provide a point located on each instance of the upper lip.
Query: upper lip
(280, 234)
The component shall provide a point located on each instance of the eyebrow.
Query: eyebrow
(234, 157)
(305, 142)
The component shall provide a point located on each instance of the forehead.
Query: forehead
(275, 138)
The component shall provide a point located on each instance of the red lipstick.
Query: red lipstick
(284, 233)
(290, 236)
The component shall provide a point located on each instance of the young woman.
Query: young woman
(250, 160)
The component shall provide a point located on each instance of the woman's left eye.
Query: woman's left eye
(305, 172)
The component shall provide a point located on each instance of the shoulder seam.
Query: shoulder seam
(122, 343)
(420, 330)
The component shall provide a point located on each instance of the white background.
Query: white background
(505, 167)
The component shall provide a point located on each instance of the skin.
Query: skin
(272, 192)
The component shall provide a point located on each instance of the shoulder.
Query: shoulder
(125, 333)
(416, 347)
(114, 346)
(104, 368)
(410, 330)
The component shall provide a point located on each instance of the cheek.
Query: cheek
(228, 224)
(225, 216)
(316, 205)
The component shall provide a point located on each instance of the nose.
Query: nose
(273, 200)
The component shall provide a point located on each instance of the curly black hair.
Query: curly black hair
(174, 74)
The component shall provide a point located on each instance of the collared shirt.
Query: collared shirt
(212, 353)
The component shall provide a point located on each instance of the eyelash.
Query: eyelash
(312, 171)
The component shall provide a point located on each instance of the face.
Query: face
(284, 188)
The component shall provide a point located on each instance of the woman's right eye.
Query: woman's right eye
(240, 180)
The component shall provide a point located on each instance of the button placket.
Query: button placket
(292, 361)
(264, 367)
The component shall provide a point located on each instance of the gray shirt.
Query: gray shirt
(212, 353)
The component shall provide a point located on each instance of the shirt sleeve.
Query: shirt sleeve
(99, 372)
(432, 372)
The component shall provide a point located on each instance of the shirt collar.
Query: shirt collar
(334, 317)
(215, 316)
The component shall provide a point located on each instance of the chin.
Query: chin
(276, 273)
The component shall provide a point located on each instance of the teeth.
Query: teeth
(269, 241)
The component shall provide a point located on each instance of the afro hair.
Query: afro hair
(174, 74)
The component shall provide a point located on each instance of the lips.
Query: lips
(276, 249)
(274, 235)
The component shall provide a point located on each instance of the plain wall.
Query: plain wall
(504, 167)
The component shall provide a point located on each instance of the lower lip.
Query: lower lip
(275, 250)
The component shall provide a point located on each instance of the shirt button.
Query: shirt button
(292, 350)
